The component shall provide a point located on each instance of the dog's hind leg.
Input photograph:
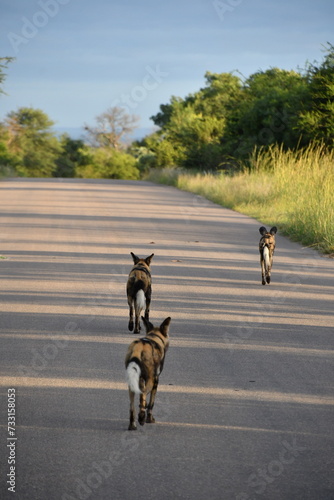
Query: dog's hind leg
(130, 302)
(137, 323)
(132, 425)
(263, 270)
(268, 274)
(139, 304)
(148, 295)
(142, 408)
(149, 418)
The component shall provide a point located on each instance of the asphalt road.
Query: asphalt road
(245, 406)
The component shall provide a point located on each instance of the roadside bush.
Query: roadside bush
(107, 163)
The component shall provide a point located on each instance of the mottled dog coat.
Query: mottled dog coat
(144, 362)
(139, 290)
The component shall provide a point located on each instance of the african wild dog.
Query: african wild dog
(267, 248)
(139, 290)
(144, 362)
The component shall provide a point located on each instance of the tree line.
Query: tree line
(226, 119)
(211, 129)
(29, 147)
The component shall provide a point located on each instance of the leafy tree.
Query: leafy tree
(162, 118)
(316, 122)
(4, 61)
(198, 138)
(193, 129)
(32, 140)
(269, 111)
(8, 161)
(146, 159)
(220, 97)
(112, 127)
(73, 155)
(161, 150)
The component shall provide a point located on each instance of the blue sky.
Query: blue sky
(76, 58)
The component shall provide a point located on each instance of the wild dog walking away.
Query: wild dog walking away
(267, 248)
(139, 290)
(144, 362)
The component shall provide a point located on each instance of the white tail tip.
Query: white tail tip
(132, 376)
(266, 256)
(140, 301)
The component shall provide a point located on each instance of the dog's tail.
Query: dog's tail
(140, 302)
(266, 256)
(133, 373)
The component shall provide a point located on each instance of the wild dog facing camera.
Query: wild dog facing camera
(267, 248)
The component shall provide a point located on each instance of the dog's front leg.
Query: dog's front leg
(132, 425)
(149, 418)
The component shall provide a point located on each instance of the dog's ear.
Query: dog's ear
(263, 230)
(273, 230)
(164, 327)
(148, 259)
(135, 258)
(149, 327)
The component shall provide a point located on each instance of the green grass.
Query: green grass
(293, 190)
